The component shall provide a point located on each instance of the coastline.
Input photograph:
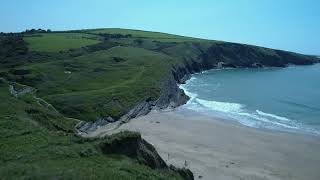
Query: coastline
(222, 149)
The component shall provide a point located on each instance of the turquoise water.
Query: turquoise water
(276, 98)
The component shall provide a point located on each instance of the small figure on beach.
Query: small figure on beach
(185, 163)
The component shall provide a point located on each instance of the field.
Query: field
(85, 87)
(108, 82)
(55, 42)
(155, 36)
(62, 78)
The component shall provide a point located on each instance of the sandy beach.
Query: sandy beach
(218, 149)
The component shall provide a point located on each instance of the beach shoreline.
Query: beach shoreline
(221, 149)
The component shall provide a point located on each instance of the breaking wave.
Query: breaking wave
(221, 106)
(239, 112)
(272, 116)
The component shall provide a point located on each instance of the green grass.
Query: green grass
(155, 36)
(42, 148)
(107, 82)
(55, 42)
(87, 87)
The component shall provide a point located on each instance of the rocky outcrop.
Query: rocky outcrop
(140, 109)
(171, 95)
(132, 145)
(85, 127)
(19, 90)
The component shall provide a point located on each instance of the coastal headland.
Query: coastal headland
(63, 91)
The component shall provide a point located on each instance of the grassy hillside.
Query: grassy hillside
(80, 86)
(155, 36)
(55, 42)
(57, 79)
(92, 74)
(36, 142)
(104, 78)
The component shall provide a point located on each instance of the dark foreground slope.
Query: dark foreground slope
(37, 142)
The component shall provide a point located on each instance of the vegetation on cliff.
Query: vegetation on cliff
(37, 142)
(50, 81)
(100, 73)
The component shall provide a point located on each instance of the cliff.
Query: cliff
(121, 74)
(132, 145)
(206, 57)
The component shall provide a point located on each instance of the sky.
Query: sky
(292, 25)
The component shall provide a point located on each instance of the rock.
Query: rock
(171, 95)
(256, 65)
(220, 65)
(16, 92)
(110, 119)
(185, 78)
(140, 109)
(86, 127)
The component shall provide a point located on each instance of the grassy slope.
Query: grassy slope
(83, 87)
(38, 143)
(55, 42)
(102, 83)
(155, 36)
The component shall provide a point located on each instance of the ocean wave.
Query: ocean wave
(235, 111)
(265, 120)
(272, 116)
(238, 110)
(192, 79)
(221, 106)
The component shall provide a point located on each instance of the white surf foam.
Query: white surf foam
(191, 95)
(238, 109)
(272, 116)
(265, 120)
(238, 112)
(221, 106)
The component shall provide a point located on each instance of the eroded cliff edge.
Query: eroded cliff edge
(198, 57)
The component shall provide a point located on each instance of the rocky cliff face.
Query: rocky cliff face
(237, 55)
(222, 55)
(214, 55)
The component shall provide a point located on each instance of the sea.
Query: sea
(285, 99)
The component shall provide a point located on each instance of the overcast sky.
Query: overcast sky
(283, 24)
